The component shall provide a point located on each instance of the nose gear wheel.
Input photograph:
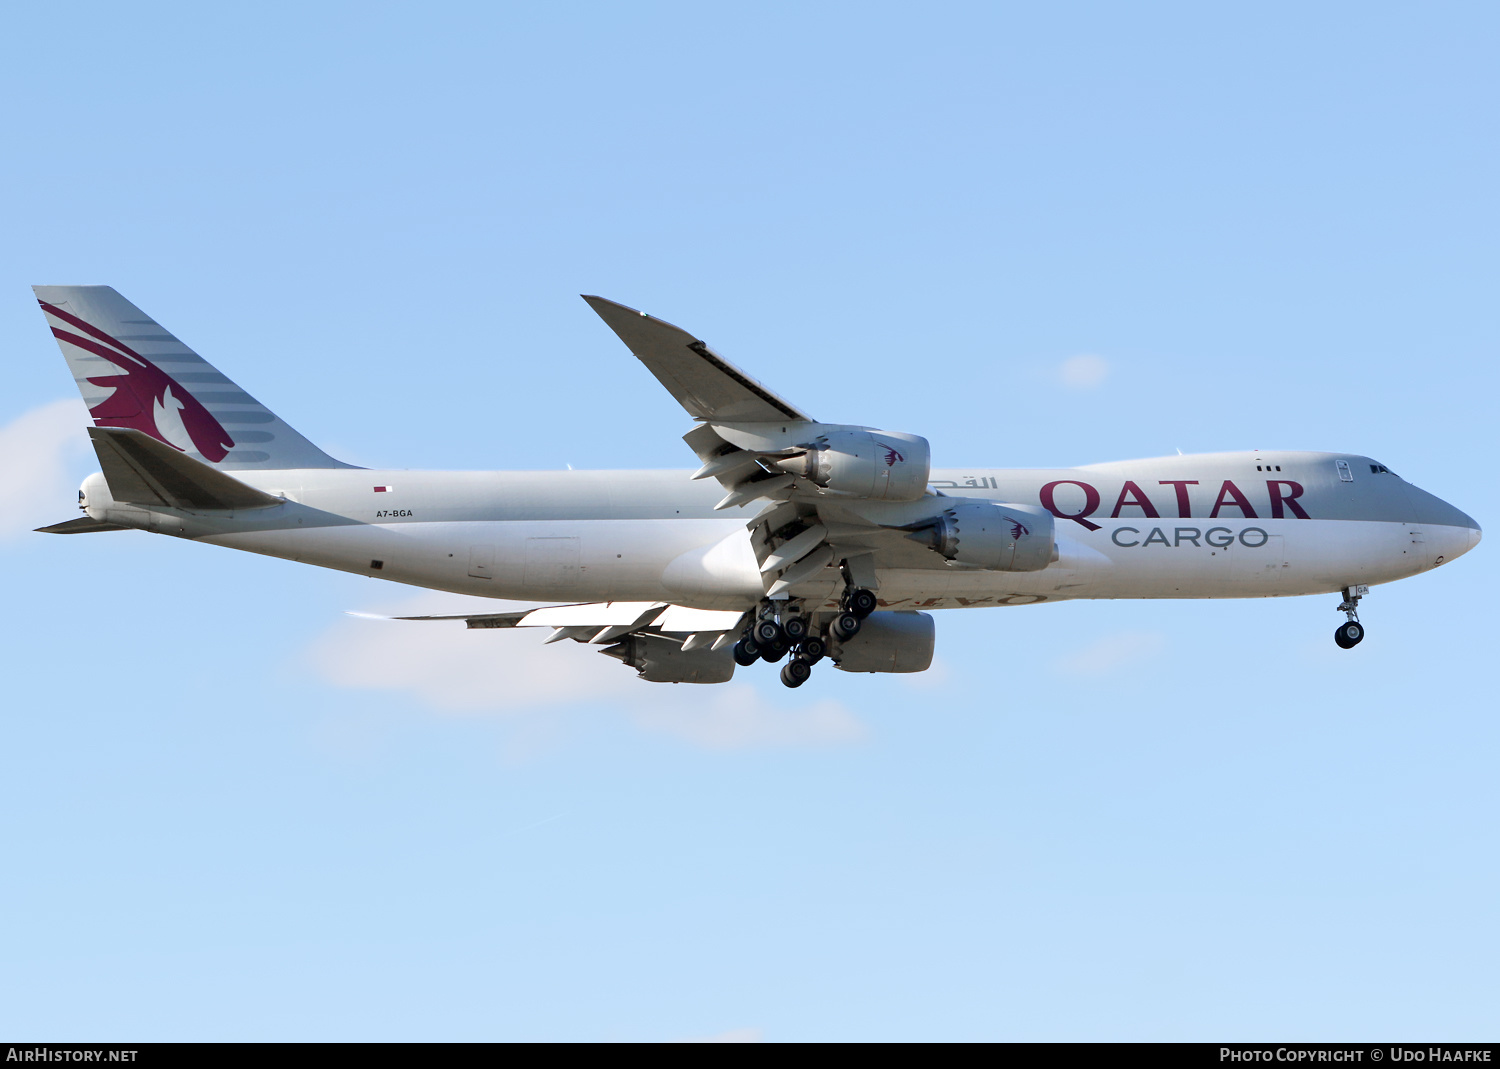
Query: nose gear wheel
(1351, 632)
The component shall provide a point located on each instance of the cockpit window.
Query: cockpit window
(1381, 469)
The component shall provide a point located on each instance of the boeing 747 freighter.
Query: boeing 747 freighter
(794, 540)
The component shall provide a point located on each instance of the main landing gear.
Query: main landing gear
(782, 627)
(1351, 632)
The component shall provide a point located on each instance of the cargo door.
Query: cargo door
(1258, 565)
(551, 562)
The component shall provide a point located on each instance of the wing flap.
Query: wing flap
(679, 619)
(598, 615)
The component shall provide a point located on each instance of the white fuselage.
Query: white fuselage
(1206, 526)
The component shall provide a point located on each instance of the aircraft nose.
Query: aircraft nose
(1461, 531)
(1466, 534)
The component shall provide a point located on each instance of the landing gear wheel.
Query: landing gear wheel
(746, 652)
(1351, 631)
(768, 633)
(860, 602)
(774, 652)
(796, 672)
(813, 649)
(845, 626)
(795, 628)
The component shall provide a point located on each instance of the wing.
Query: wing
(664, 643)
(704, 383)
(817, 533)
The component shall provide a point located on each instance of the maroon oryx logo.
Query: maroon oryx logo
(891, 457)
(1017, 528)
(140, 390)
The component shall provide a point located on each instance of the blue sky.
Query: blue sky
(1037, 237)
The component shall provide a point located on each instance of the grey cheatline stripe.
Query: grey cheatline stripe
(253, 437)
(148, 337)
(176, 358)
(244, 417)
(201, 376)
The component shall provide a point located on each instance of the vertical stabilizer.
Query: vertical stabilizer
(133, 373)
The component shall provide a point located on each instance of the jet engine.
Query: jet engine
(1004, 538)
(660, 660)
(888, 642)
(876, 465)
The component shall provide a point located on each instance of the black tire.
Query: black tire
(813, 649)
(774, 652)
(796, 672)
(746, 652)
(768, 633)
(845, 626)
(860, 602)
(1349, 635)
(795, 628)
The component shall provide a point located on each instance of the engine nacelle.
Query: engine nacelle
(875, 465)
(889, 642)
(659, 660)
(1001, 538)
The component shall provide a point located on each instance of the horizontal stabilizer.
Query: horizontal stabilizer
(82, 525)
(143, 471)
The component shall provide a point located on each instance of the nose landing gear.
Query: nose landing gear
(1351, 632)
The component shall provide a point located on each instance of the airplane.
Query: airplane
(794, 540)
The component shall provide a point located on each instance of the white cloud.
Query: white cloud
(1110, 653)
(737, 716)
(36, 450)
(1083, 372)
(448, 667)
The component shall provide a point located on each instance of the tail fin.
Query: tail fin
(133, 373)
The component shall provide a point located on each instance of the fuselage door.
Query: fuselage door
(482, 562)
(1261, 565)
(551, 562)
